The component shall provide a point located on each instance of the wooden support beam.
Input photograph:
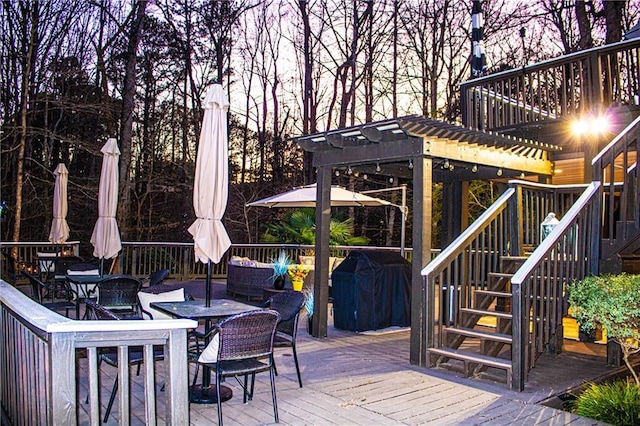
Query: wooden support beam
(321, 277)
(422, 216)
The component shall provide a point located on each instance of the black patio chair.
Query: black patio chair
(40, 288)
(12, 267)
(60, 267)
(110, 355)
(288, 304)
(155, 278)
(119, 294)
(246, 348)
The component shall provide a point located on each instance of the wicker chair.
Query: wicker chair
(246, 348)
(155, 278)
(110, 355)
(119, 294)
(248, 281)
(288, 304)
(39, 288)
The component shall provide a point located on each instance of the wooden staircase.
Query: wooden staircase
(480, 337)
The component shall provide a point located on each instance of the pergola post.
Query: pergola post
(321, 277)
(422, 213)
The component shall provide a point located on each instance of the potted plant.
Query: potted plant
(280, 269)
(297, 274)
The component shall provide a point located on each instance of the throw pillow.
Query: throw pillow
(210, 353)
(170, 296)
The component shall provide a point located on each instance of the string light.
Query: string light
(499, 172)
(474, 168)
(349, 171)
(378, 169)
(410, 164)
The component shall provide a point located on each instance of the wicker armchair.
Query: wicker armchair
(288, 305)
(246, 348)
(119, 294)
(249, 281)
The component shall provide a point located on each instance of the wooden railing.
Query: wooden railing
(552, 89)
(142, 258)
(464, 266)
(616, 167)
(533, 202)
(538, 287)
(509, 224)
(38, 354)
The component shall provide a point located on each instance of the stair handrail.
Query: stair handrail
(621, 156)
(445, 257)
(521, 349)
(446, 260)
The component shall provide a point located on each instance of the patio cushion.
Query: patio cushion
(210, 353)
(169, 296)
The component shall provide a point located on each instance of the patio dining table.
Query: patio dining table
(85, 284)
(196, 310)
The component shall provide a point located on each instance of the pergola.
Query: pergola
(422, 151)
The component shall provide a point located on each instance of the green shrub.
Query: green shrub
(611, 302)
(617, 402)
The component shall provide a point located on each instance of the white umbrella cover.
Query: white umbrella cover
(106, 236)
(211, 183)
(59, 228)
(305, 196)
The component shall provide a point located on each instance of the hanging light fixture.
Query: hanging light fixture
(349, 171)
(378, 169)
(474, 168)
(410, 164)
(499, 172)
(445, 165)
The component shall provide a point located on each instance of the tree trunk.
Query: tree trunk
(128, 106)
(24, 105)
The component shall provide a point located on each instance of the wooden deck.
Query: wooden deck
(366, 379)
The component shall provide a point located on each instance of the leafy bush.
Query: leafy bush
(611, 302)
(617, 402)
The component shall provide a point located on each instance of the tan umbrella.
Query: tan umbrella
(106, 236)
(59, 228)
(305, 196)
(211, 183)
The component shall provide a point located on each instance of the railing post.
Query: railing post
(62, 370)
(515, 221)
(520, 333)
(177, 367)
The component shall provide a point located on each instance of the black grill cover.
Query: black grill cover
(371, 290)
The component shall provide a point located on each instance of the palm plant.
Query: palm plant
(299, 227)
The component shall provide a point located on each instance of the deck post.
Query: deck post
(321, 277)
(422, 309)
(62, 371)
(520, 326)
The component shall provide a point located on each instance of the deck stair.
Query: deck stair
(474, 345)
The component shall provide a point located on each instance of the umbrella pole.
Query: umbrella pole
(208, 284)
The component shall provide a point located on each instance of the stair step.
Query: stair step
(493, 293)
(483, 312)
(478, 334)
(465, 356)
(500, 274)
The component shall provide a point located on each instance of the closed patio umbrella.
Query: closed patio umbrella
(59, 228)
(210, 188)
(106, 236)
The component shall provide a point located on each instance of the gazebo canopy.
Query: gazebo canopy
(385, 147)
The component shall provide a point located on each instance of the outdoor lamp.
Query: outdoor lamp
(547, 225)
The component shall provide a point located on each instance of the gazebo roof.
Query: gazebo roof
(389, 145)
